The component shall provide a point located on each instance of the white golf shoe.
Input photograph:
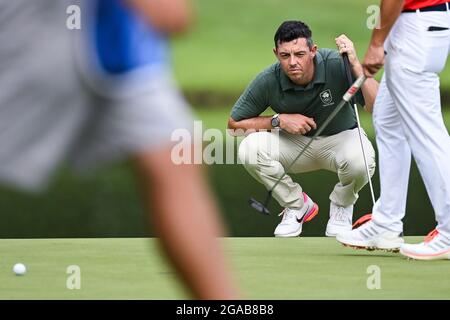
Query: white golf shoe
(340, 220)
(293, 218)
(435, 247)
(370, 236)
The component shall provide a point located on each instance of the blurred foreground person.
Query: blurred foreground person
(101, 93)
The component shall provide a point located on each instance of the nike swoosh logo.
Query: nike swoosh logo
(436, 28)
(301, 219)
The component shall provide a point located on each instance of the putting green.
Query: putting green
(266, 268)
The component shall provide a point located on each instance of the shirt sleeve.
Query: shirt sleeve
(253, 101)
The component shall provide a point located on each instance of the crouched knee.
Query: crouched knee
(255, 148)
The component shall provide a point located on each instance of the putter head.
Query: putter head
(258, 206)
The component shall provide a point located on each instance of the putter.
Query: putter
(262, 207)
(355, 107)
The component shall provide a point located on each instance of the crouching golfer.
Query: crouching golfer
(303, 88)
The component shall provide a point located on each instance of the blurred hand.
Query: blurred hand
(374, 60)
(170, 17)
(345, 45)
(296, 123)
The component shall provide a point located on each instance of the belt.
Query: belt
(438, 7)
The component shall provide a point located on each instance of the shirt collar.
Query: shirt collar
(319, 76)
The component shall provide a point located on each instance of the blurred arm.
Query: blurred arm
(188, 223)
(168, 16)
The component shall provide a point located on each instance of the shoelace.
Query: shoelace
(340, 215)
(286, 213)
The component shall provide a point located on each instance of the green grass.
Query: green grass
(232, 40)
(266, 268)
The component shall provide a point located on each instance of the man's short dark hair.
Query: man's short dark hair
(291, 30)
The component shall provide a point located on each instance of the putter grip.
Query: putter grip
(354, 88)
(348, 71)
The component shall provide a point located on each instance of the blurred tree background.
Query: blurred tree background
(230, 43)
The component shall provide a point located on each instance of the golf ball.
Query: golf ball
(19, 269)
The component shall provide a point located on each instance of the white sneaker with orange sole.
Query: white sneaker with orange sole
(371, 236)
(293, 218)
(435, 247)
(340, 220)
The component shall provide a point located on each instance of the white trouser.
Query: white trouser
(407, 118)
(266, 155)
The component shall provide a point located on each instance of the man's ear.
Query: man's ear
(313, 50)
(275, 52)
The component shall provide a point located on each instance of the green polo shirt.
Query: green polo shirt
(272, 88)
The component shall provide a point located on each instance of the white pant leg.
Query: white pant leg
(266, 156)
(394, 157)
(341, 153)
(414, 87)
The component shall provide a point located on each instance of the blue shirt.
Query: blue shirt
(124, 40)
